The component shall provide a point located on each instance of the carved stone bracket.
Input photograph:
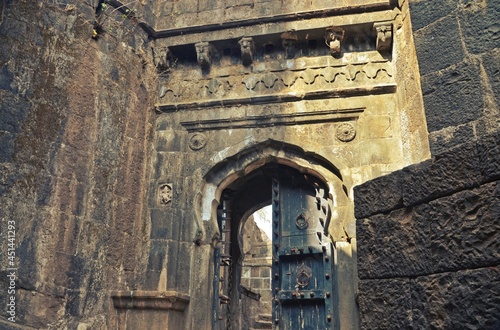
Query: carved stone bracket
(205, 53)
(163, 58)
(384, 36)
(334, 37)
(247, 46)
(289, 42)
(158, 300)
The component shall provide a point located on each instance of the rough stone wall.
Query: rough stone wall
(75, 122)
(428, 252)
(428, 249)
(459, 57)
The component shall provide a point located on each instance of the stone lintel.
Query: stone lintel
(274, 120)
(158, 300)
(280, 98)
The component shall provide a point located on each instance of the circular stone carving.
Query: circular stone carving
(197, 141)
(301, 221)
(346, 132)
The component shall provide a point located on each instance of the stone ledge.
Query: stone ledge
(159, 300)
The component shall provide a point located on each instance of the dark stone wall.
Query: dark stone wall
(458, 52)
(75, 123)
(428, 248)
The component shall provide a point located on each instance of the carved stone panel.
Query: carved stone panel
(165, 194)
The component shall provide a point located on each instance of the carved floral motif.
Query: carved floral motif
(197, 141)
(165, 194)
(345, 132)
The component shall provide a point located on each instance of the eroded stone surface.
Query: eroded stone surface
(466, 299)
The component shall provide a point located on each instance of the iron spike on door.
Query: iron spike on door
(303, 254)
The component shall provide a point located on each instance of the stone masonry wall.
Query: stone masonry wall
(458, 52)
(428, 252)
(75, 121)
(428, 249)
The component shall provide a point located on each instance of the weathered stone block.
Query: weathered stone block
(445, 174)
(379, 195)
(424, 13)
(491, 63)
(450, 137)
(157, 253)
(161, 225)
(439, 45)
(463, 229)
(172, 264)
(467, 299)
(489, 157)
(453, 96)
(479, 25)
(385, 304)
(393, 244)
(182, 264)
(450, 233)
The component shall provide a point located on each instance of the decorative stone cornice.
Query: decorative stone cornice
(159, 300)
(278, 86)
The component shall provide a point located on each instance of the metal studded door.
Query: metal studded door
(302, 272)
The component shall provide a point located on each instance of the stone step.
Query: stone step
(265, 317)
(263, 321)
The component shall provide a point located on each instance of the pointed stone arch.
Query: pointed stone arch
(239, 162)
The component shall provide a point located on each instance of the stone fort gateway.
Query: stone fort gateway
(249, 164)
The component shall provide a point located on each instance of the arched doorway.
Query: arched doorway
(301, 274)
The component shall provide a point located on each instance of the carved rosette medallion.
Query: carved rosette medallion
(197, 141)
(345, 132)
(165, 194)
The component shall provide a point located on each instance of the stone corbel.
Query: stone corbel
(384, 36)
(289, 42)
(247, 50)
(205, 53)
(163, 58)
(333, 37)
